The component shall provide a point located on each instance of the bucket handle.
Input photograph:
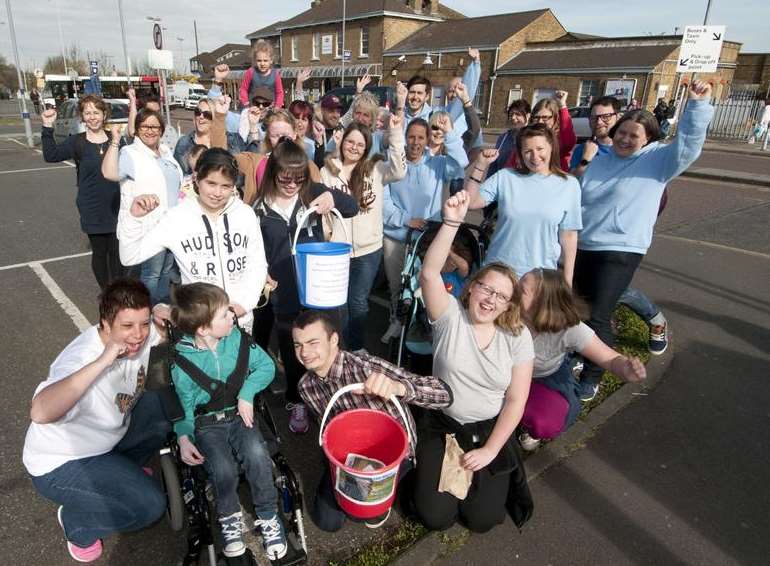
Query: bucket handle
(303, 218)
(360, 387)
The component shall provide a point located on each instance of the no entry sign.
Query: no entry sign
(700, 49)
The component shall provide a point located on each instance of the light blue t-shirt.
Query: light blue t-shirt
(531, 211)
(126, 170)
(577, 153)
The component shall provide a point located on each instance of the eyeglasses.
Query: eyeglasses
(261, 104)
(148, 128)
(603, 117)
(488, 291)
(288, 178)
(205, 113)
(542, 118)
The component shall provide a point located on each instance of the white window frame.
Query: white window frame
(337, 46)
(316, 46)
(582, 93)
(361, 52)
(294, 48)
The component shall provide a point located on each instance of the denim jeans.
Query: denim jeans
(110, 493)
(639, 303)
(363, 271)
(157, 274)
(229, 446)
(600, 278)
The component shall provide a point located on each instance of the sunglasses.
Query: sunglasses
(288, 178)
(205, 113)
(261, 104)
(435, 128)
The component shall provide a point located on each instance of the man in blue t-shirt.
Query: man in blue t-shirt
(604, 115)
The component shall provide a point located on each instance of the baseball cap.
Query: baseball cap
(262, 92)
(331, 102)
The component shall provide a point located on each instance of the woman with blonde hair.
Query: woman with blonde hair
(483, 351)
(553, 315)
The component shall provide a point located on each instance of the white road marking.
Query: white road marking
(713, 245)
(25, 146)
(42, 261)
(77, 317)
(34, 169)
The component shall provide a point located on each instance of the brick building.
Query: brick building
(629, 67)
(440, 50)
(237, 56)
(314, 37)
(754, 69)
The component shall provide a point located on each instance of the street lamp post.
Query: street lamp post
(181, 53)
(24, 112)
(125, 46)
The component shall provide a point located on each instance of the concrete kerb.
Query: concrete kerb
(726, 176)
(431, 547)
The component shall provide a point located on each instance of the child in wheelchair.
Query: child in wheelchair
(217, 371)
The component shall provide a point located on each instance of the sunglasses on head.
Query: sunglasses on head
(205, 113)
(284, 178)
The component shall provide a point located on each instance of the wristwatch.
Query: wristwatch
(584, 162)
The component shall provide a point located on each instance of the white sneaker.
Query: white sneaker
(393, 331)
(273, 537)
(527, 442)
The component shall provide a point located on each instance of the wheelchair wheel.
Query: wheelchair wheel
(175, 504)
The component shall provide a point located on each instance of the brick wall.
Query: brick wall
(352, 43)
(544, 28)
(395, 30)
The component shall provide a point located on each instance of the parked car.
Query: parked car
(580, 115)
(385, 94)
(68, 121)
(191, 102)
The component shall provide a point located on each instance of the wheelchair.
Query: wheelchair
(190, 503)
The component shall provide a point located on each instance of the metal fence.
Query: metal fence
(736, 116)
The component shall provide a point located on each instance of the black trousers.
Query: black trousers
(480, 511)
(600, 278)
(105, 258)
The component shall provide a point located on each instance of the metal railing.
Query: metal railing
(736, 116)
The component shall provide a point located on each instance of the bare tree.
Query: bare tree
(75, 60)
(8, 79)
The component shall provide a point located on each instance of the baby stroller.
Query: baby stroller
(415, 343)
(190, 502)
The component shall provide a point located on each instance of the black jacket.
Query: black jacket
(277, 236)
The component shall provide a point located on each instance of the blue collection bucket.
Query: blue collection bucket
(322, 268)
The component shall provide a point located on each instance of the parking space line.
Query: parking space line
(42, 261)
(70, 163)
(77, 317)
(713, 245)
(34, 169)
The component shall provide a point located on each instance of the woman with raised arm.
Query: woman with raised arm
(538, 205)
(621, 192)
(483, 351)
(364, 178)
(98, 198)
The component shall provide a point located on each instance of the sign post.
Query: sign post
(96, 85)
(700, 49)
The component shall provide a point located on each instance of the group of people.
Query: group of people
(211, 224)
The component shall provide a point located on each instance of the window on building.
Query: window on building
(588, 91)
(294, 48)
(316, 45)
(478, 100)
(364, 47)
(337, 46)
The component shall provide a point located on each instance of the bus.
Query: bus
(59, 88)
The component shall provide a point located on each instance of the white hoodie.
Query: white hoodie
(228, 253)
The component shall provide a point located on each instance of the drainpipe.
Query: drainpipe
(492, 79)
(644, 91)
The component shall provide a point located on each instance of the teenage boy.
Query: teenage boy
(93, 428)
(316, 343)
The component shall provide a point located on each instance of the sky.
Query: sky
(95, 25)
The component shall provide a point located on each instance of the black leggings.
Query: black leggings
(105, 258)
(600, 278)
(480, 511)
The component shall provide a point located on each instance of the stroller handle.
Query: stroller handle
(303, 218)
(359, 387)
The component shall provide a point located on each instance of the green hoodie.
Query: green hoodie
(217, 365)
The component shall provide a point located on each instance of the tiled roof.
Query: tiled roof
(267, 31)
(485, 31)
(604, 55)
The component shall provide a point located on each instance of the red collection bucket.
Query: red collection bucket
(365, 448)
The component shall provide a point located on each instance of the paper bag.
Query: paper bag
(454, 478)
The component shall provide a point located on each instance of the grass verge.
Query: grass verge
(392, 542)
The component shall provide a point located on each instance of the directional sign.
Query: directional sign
(700, 49)
(157, 37)
(348, 54)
